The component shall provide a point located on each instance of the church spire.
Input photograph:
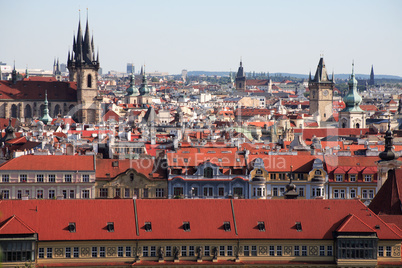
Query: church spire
(46, 119)
(78, 44)
(14, 75)
(87, 46)
(388, 154)
(26, 72)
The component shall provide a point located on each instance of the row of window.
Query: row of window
(353, 177)
(41, 178)
(207, 191)
(189, 251)
(341, 193)
(51, 194)
(125, 192)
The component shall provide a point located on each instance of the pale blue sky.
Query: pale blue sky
(171, 35)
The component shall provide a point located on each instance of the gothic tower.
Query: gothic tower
(321, 92)
(371, 81)
(240, 78)
(83, 69)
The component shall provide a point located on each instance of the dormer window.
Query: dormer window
(110, 226)
(226, 226)
(148, 227)
(298, 226)
(208, 172)
(186, 226)
(71, 227)
(261, 226)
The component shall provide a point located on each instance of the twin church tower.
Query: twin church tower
(83, 66)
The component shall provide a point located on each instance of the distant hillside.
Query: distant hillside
(302, 76)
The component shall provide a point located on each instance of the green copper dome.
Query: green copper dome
(353, 99)
(46, 119)
(144, 89)
(132, 90)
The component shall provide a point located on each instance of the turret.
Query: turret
(14, 75)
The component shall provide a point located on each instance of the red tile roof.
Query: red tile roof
(111, 115)
(353, 224)
(105, 168)
(35, 90)
(388, 200)
(50, 162)
(319, 218)
(15, 225)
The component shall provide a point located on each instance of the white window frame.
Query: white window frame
(40, 178)
(85, 177)
(5, 177)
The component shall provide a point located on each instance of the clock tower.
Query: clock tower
(321, 92)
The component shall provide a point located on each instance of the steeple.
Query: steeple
(26, 72)
(352, 99)
(372, 81)
(240, 71)
(78, 44)
(321, 74)
(132, 90)
(388, 154)
(240, 78)
(87, 46)
(14, 75)
(46, 119)
(144, 90)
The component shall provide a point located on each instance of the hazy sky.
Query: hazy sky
(171, 35)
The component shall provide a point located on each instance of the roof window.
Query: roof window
(226, 226)
(110, 226)
(261, 226)
(71, 227)
(148, 226)
(299, 226)
(186, 226)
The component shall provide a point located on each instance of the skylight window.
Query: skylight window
(261, 226)
(110, 226)
(148, 227)
(226, 226)
(71, 227)
(299, 226)
(186, 226)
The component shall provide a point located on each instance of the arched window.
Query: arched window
(208, 172)
(357, 125)
(28, 111)
(14, 111)
(343, 125)
(131, 176)
(89, 81)
(57, 111)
